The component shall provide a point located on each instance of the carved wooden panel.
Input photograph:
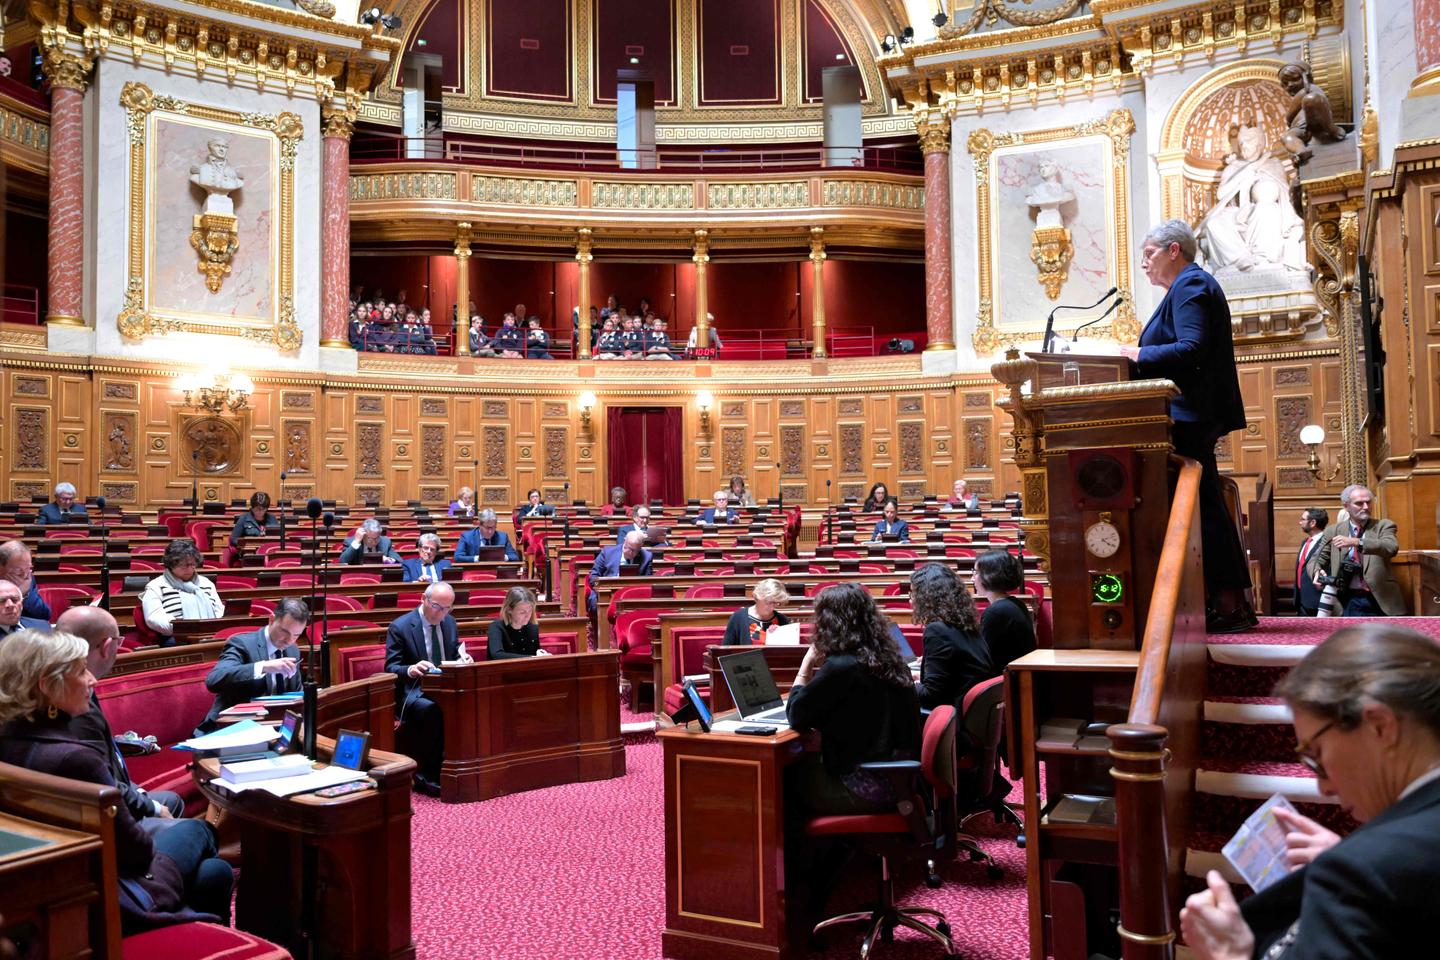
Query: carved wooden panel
(119, 390)
(1292, 376)
(977, 443)
(1291, 414)
(556, 411)
(369, 404)
(32, 438)
(432, 407)
(913, 490)
(120, 492)
(432, 450)
(557, 446)
(851, 407)
(1293, 477)
(981, 488)
(494, 458)
(292, 400)
(793, 492)
(369, 494)
(909, 404)
(495, 497)
(434, 495)
(38, 387)
(732, 411)
(855, 491)
(297, 491)
(118, 447)
(792, 451)
(22, 490)
(852, 447)
(496, 410)
(732, 451)
(978, 401)
(792, 408)
(367, 450)
(912, 447)
(297, 439)
(212, 445)
(1223, 449)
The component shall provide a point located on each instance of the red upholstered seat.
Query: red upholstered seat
(479, 573)
(295, 580)
(362, 578)
(632, 636)
(357, 663)
(166, 704)
(275, 560)
(342, 602)
(200, 941)
(475, 597)
(230, 581)
(174, 524)
(636, 591)
(563, 640)
(59, 596)
(228, 632)
(60, 533)
(701, 590)
(79, 550)
(200, 531)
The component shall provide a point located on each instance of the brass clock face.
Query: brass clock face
(1102, 539)
(1101, 478)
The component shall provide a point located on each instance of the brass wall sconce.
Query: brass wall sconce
(587, 404)
(704, 400)
(1312, 436)
(216, 391)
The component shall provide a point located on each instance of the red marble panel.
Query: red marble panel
(335, 242)
(939, 318)
(739, 46)
(1427, 35)
(67, 203)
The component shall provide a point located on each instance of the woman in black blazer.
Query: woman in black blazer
(1006, 629)
(878, 496)
(955, 658)
(1366, 707)
(170, 877)
(515, 633)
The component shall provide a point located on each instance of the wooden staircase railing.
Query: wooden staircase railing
(1154, 751)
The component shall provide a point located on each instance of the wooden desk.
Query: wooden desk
(52, 878)
(725, 891)
(360, 845)
(525, 723)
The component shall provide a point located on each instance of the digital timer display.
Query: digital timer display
(1106, 588)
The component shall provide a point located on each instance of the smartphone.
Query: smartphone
(756, 730)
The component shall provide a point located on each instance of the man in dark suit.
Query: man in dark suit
(630, 551)
(1307, 560)
(369, 544)
(640, 523)
(1188, 340)
(890, 524)
(11, 619)
(416, 644)
(721, 512)
(17, 566)
(64, 507)
(95, 625)
(484, 534)
(255, 664)
(427, 567)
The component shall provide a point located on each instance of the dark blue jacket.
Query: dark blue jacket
(34, 605)
(470, 544)
(50, 513)
(708, 515)
(900, 528)
(405, 645)
(414, 568)
(1188, 340)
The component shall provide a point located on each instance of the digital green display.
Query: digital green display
(1106, 588)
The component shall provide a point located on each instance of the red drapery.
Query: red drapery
(646, 454)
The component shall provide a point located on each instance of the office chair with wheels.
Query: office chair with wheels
(920, 827)
(981, 787)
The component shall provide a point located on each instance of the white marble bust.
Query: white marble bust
(1048, 195)
(217, 177)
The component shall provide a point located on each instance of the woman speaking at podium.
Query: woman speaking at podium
(1188, 340)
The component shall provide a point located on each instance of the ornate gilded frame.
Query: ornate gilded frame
(136, 320)
(1117, 127)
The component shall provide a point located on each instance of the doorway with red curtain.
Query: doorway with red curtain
(646, 453)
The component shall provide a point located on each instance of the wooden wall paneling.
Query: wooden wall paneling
(74, 434)
(763, 468)
(338, 448)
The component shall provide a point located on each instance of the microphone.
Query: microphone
(104, 556)
(1049, 339)
(313, 508)
(1075, 337)
(329, 520)
(283, 475)
(194, 482)
(100, 505)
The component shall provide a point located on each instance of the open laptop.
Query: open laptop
(752, 687)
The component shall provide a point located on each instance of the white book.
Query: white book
(290, 765)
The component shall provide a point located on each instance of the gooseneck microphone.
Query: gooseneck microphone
(313, 509)
(282, 505)
(1075, 337)
(1049, 339)
(104, 556)
(194, 482)
(329, 522)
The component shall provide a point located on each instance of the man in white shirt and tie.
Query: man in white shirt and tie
(428, 567)
(416, 644)
(255, 664)
(1307, 560)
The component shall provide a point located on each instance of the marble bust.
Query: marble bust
(1048, 196)
(1253, 227)
(217, 178)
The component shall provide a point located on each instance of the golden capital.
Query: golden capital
(462, 239)
(584, 242)
(68, 70)
(337, 119)
(934, 131)
(702, 247)
(817, 244)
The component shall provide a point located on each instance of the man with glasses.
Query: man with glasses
(10, 616)
(98, 628)
(1356, 551)
(483, 534)
(17, 566)
(64, 507)
(417, 643)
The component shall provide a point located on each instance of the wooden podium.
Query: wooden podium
(1089, 368)
(355, 849)
(524, 723)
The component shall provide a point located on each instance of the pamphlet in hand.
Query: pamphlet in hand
(1257, 850)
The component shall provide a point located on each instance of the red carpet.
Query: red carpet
(579, 872)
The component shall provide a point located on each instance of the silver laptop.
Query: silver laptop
(752, 687)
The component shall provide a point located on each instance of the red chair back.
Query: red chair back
(229, 581)
(342, 602)
(937, 751)
(357, 663)
(983, 716)
(362, 578)
(702, 590)
(295, 580)
(227, 632)
(58, 597)
(479, 573)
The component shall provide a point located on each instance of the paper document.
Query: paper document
(786, 635)
(246, 733)
(1257, 850)
(285, 786)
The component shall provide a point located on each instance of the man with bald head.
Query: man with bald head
(416, 644)
(98, 628)
(11, 603)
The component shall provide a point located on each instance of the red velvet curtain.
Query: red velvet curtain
(645, 453)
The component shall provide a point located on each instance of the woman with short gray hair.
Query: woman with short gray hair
(1366, 711)
(180, 593)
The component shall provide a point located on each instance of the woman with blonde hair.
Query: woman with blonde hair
(515, 633)
(171, 877)
(464, 505)
(748, 626)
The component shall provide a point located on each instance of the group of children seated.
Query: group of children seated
(517, 338)
(618, 334)
(383, 326)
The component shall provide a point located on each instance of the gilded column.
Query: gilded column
(817, 306)
(583, 240)
(338, 125)
(69, 75)
(934, 129)
(702, 305)
(462, 289)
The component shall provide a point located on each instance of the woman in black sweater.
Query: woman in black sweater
(750, 625)
(514, 633)
(854, 688)
(955, 659)
(876, 499)
(1006, 629)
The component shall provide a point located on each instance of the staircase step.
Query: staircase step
(1220, 816)
(1230, 777)
(1258, 654)
(1248, 710)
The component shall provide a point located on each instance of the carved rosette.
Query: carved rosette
(1051, 252)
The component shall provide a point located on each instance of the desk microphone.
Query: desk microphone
(104, 556)
(1049, 339)
(282, 505)
(1075, 337)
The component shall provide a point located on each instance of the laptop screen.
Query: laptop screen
(751, 683)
